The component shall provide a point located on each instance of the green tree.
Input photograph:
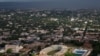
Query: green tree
(9, 50)
(1, 54)
(69, 53)
(32, 54)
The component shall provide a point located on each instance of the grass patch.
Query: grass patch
(52, 52)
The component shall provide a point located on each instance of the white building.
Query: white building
(2, 50)
(62, 51)
(15, 48)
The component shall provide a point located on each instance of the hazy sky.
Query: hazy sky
(24, 0)
(47, 0)
(57, 3)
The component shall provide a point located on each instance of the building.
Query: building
(15, 48)
(62, 49)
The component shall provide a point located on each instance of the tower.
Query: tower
(84, 33)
